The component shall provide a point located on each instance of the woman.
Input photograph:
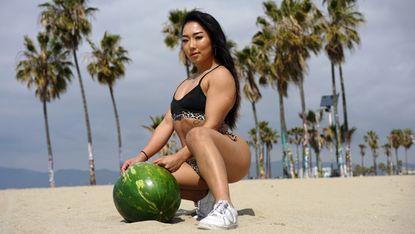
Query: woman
(202, 113)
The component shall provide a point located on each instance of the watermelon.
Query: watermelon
(146, 192)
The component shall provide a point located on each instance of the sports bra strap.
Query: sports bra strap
(208, 73)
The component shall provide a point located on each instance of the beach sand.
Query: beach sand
(333, 205)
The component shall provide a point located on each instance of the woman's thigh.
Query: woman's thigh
(188, 179)
(235, 154)
(192, 186)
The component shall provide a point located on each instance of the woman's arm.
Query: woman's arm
(160, 136)
(220, 97)
(158, 139)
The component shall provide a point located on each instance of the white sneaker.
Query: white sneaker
(205, 206)
(223, 216)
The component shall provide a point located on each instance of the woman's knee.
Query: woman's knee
(197, 135)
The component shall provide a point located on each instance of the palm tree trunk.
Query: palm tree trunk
(283, 137)
(269, 162)
(291, 160)
(51, 173)
(388, 161)
(266, 163)
(346, 125)
(257, 144)
(298, 160)
(336, 123)
(406, 161)
(117, 122)
(306, 143)
(318, 162)
(92, 177)
(261, 163)
(397, 161)
(390, 165)
(363, 164)
(375, 164)
(310, 163)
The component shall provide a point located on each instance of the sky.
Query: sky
(379, 78)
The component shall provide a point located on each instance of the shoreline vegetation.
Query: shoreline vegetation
(17, 178)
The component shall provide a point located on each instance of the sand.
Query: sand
(335, 205)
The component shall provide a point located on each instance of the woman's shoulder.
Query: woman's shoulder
(219, 78)
(220, 75)
(223, 70)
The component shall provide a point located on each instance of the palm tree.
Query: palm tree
(270, 138)
(362, 154)
(387, 149)
(407, 141)
(343, 20)
(295, 136)
(316, 140)
(294, 32)
(372, 139)
(395, 139)
(155, 121)
(48, 71)
(346, 136)
(172, 32)
(254, 141)
(329, 134)
(303, 22)
(246, 65)
(68, 21)
(262, 126)
(107, 67)
(274, 73)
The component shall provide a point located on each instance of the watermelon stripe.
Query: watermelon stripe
(140, 185)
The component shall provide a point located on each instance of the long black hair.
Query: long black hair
(221, 53)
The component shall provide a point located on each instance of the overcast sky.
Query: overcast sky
(379, 77)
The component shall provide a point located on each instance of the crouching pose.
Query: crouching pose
(203, 112)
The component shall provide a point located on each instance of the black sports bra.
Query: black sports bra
(191, 105)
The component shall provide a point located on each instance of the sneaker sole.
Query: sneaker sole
(206, 226)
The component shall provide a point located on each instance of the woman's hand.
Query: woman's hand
(130, 162)
(171, 162)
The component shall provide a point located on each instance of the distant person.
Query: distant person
(203, 112)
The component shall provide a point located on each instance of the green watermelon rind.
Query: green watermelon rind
(132, 189)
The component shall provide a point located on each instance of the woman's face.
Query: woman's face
(196, 43)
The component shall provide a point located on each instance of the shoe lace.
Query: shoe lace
(219, 208)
